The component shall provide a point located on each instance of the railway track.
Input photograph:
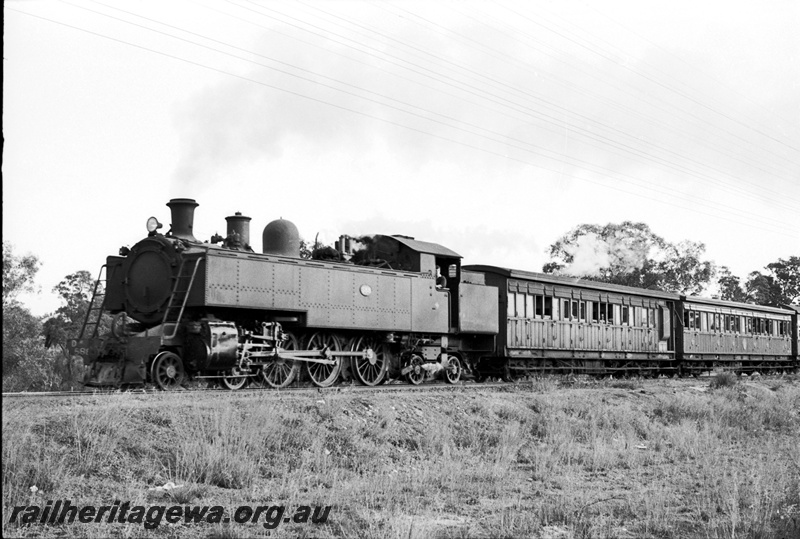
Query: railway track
(311, 390)
(431, 386)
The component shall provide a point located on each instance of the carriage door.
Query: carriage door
(665, 325)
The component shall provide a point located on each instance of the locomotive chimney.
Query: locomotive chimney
(182, 217)
(239, 225)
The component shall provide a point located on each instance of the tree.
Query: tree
(76, 292)
(20, 328)
(730, 286)
(780, 287)
(633, 255)
(787, 277)
(18, 274)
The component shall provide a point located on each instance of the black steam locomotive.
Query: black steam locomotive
(373, 308)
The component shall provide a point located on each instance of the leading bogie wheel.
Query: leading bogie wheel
(167, 371)
(324, 374)
(371, 369)
(235, 379)
(282, 371)
(452, 372)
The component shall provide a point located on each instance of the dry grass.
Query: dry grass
(653, 458)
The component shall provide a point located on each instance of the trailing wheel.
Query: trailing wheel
(282, 371)
(167, 371)
(322, 374)
(452, 372)
(234, 379)
(372, 368)
(417, 374)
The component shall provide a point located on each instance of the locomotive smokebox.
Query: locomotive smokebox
(183, 217)
(239, 228)
(281, 238)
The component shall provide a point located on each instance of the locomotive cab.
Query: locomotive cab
(408, 254)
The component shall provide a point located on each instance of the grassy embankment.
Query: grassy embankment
(657, 458)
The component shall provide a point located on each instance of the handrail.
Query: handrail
(93, 308)
(183, 303)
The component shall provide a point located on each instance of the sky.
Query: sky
(490, 127)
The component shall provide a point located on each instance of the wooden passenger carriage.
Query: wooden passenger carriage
(736, 336)
(551, 323)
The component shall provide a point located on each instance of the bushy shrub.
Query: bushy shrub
(723, 379)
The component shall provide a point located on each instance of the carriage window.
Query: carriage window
(539, 306)
(702, 322)
(625, 316)
(574, 309)
(737, 324)
(548, 307)
(611, 312)
(583, 311)
(711, 326)
(565, 309)
(749, 324)
(595, 311)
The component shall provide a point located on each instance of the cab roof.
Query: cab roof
(426, 247)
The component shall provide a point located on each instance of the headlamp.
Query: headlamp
(153, 225)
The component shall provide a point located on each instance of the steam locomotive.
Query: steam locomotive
(372, 309)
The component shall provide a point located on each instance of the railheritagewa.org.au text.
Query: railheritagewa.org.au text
(64, 512)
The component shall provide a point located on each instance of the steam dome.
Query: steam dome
(281, 238)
